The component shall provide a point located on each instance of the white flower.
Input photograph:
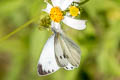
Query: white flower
(56, 15)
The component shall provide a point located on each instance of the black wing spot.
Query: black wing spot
(52, 70)
(45, 72)
(65, 56)
(40, 70)
(60, 57)
(71, 67)
(49, 71)
(66, 67)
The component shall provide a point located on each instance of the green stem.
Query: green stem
(17, 30)
(82, 2)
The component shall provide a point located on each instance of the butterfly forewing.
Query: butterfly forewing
(47, 62)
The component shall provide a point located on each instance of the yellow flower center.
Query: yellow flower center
(74, 11)
(56, 14)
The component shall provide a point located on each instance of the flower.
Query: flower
(74, 11)
(56, 14)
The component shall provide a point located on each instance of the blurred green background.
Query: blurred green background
(99, 42)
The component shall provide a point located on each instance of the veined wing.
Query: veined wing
(59, 54)
(71, 52)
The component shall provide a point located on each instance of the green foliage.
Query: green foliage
(99, 42)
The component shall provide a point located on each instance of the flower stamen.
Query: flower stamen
(74, 11)
(56, 14)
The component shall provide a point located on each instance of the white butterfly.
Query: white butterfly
(58, 52)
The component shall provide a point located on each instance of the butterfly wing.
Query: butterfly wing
(59, 54)
(71, 52)
(69, 67)
(47, 62)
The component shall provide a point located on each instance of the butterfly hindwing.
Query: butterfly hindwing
(59, 54)
(47, 62)
(71, 51)
(69, 67)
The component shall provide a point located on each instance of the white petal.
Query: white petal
(56, 26)
(76, 0)
(57, 2)
(74, 23)
(48, 8)
(66, 4)
(47, 62)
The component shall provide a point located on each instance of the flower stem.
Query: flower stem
(17, 30)
(81, 2)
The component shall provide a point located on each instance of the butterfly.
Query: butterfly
(58, 52)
